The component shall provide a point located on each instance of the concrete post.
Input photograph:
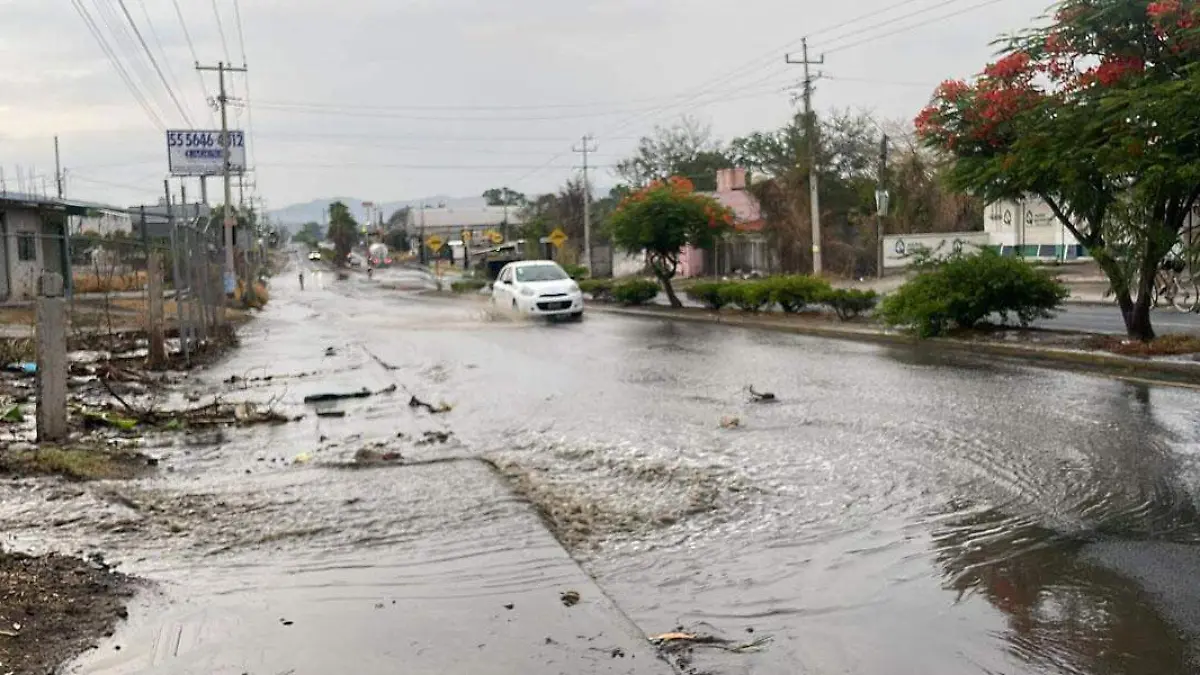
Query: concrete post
(154, 321)
(51, 369)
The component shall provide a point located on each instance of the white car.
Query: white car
(538, 288)
(314, 255)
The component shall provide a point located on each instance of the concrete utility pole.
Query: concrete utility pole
(810, 135)
(58, 173)
(881, 200)
(587, 146)
(230, 217)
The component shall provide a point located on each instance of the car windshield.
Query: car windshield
(540, 273)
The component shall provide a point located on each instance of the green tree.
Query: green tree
(1094, 113)
(503, 196)
(311, 234)
(343, 231)
(685, 149)
(399, 217)
(662, 219)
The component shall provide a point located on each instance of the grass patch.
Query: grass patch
(1175, 344)
(16, 350)
(74, 463)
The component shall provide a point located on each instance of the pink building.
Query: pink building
(745, 247)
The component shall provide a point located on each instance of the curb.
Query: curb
(1165, 372)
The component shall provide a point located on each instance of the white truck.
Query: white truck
(378, 255)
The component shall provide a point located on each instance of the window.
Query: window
(541, 273)
(26, 247)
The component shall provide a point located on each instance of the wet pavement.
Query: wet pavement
(896, 511)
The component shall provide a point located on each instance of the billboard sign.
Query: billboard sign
(199, 152)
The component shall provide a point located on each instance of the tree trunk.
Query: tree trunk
(1135, 310)
(666, 284)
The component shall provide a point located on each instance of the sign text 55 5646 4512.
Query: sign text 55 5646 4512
(201, 152)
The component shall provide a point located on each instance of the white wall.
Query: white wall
(103, 222)
(1029, 223)
(22, 274)
(898, 250)
(625, 265)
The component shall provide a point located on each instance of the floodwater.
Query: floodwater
(894, 512)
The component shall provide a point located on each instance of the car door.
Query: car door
(504, 286)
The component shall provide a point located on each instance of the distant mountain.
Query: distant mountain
(315, 211)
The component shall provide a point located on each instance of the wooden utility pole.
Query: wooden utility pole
(810, 134)
(58, 172)
(226, 169)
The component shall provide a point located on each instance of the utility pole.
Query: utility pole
(505, 197)
(58, 174)
(881, 201)
(230, 217)
(810, 135)
(587, 146)
(204, 190)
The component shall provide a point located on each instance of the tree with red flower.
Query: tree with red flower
(662, 219)
(1096, 114)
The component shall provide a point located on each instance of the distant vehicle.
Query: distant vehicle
(355, 260)
(314, 255)
(379, 255)
(538, 288)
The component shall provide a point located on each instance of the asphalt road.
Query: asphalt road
(894, 511)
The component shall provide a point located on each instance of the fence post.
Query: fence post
(154, 327)
(51, 369)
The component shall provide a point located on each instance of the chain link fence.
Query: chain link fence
(107, 280)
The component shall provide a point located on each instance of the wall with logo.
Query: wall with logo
(899, 250)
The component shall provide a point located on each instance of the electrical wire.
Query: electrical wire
(124, 47)
(250, 144)
(94, 29)
(153, 61)
(910, 27)
(187, 35)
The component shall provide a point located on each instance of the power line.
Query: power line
(383, 112)
(250, 144)
(909, 27)
(154, 61)
(187, 35)
(868, 80)
(124, 45)
(116, 63)
(221, 31)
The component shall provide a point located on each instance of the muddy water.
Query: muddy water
(892, 513)
(889, 499)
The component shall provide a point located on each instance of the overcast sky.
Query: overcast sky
(398, 99)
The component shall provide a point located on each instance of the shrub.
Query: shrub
(576, 271)
(792, 293)
(749, 296)
(711, 293)
(635, 292)
(467, 285)
(850, 302)
(599, 289)
(963, 290)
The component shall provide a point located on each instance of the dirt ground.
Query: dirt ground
(54, 607)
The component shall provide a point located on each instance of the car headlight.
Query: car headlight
(527, 292)
(575, 288)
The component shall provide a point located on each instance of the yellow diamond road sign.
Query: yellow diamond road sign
(558, 237)
(496, 237)
(434, 242)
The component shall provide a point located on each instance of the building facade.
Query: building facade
(32, 242)
(1028, 228)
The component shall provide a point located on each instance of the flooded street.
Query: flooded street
(893, 512)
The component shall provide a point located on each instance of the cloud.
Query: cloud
(525, 80)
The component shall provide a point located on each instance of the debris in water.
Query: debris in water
(569, 598)
(326, 398)
(431, 437)
(331, 413)
(330, 351)
(371, 456)
(509, 606)
(303, 458)
(730, 422)
(415, 402)
(681, 640)
(761, 397)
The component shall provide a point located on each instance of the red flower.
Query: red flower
(1010, 67)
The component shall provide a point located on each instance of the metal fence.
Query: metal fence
(108, 277)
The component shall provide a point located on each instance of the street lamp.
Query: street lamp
(882, 197)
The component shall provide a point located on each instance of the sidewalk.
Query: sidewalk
(320, 565)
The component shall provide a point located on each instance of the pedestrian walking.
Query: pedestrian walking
(302, 280)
